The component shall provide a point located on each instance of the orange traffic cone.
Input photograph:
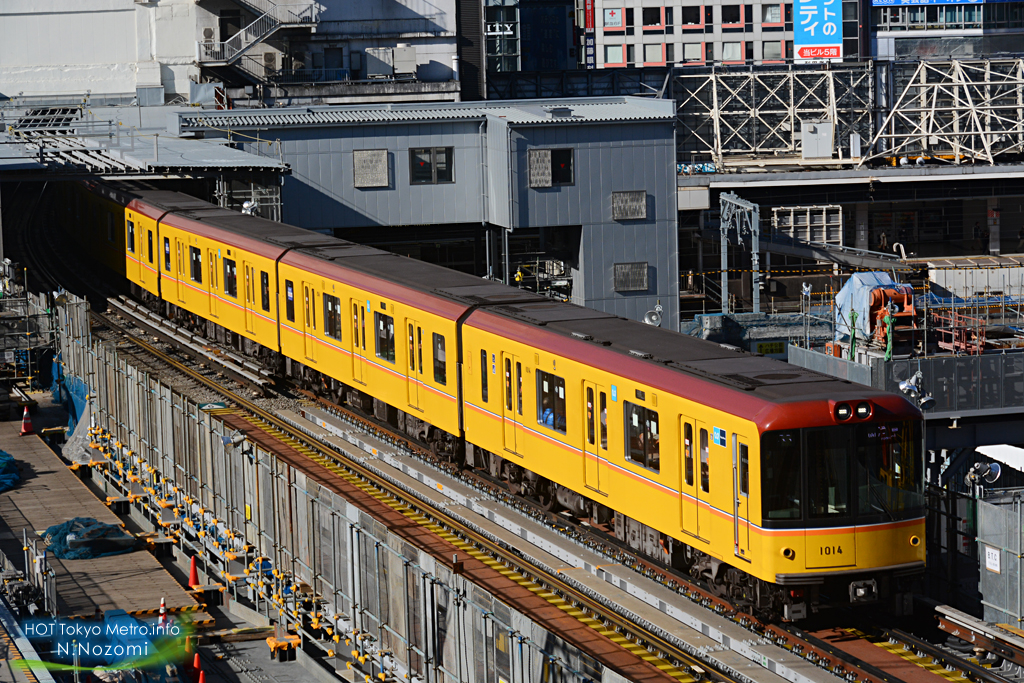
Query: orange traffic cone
(202, 677)
(26, 423)
(196, 664)
(193, 574)
(163, 613)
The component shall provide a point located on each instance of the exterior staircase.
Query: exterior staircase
(270, 18)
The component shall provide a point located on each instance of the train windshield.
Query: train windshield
(869, 472)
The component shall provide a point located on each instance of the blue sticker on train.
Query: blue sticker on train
(719, 436)
(615, 393)
(367, 305)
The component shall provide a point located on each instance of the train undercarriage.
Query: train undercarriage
(742, 590)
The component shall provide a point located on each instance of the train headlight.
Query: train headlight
(915, 541)
(863, 410)
(788, 553)
(843, 412)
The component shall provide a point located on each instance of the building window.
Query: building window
(149, 239)
(668, 20)
(131, 236)
(732, 52)
(551, 401)
(653, 53)
(690, 16)
(613, 18)
(483, 375)
(693, 52)
(440, 362)
(167, 254)
(613, 54)
(430, 165)
(289, 300)
(197, 264)
(651, 16)
(265, 290)
(230, 278)
(501, 32)
(385, 344)
(773, 50)
(771, 14)
(550, 167)
(630, 55)
(332, 316)
(731, 14)
(642, 436)
(670, 53)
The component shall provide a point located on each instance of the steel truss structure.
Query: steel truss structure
(756, 111)
(744, 217)
(954, 111)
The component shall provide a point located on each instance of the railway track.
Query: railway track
(633, 637)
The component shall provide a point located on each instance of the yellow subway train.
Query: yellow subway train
(779, 487)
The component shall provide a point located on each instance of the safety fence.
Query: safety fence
(306, 549)
(1000, 516)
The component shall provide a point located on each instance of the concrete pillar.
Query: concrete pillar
(993, 226)
(861, 221)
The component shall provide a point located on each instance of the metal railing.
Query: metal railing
(266, 23)
(308, 75)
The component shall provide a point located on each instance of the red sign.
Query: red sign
(824, 52)
(589, 13)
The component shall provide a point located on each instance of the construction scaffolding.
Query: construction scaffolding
(952, 111)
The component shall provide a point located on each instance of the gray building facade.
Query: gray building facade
(593, 179)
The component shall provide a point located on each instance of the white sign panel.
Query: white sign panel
(613, 18)
(992, 559)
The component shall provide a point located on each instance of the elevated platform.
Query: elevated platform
(49, 493)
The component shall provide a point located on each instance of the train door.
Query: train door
(688, 475)
(309, 320)
(182, 265)
(415, 373)
(250, 297)
(741, 496)
(512, 406)
(595, 433)
(133, 264)
(704, 477)
(213, 284)
(358, 313)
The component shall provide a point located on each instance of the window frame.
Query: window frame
(650, 439)
(289, 300)
(167, 254)
(556, 394)
(332, 316)
(449, 152)
(382, 325)
(440, 364)
(230, 277)
(195, 255)
(130, 224)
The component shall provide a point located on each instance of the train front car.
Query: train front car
(842, 502)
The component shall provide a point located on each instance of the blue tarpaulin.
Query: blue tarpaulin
(83, 538)
(9, 476)
(855, 297)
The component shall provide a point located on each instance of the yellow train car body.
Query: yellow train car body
(141, 244)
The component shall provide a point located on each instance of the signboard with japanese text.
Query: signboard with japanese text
(817, 31)
(590, 46)
(613, 18)
(589, 43)
(901, 3)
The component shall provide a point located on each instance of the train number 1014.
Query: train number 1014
(831, 550)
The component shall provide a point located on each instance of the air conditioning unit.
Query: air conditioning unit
(404, 61)
(270, 61)
(379, 62)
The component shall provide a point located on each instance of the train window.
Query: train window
(828, 480)
(306, 299)
(550, 401)
(265, 294)
(780, 485)
(440, 361)
(412, 350)
(643, 439)
(688, 452)
(289, 302)
(230, 278)
(508, 385)
(332, 316)
(705, 464)
(167, 254)
(312, 305)
(591, 436)
(197, 264)
(362, 327)
(519, 387)
(131, 236)
(419, 347)
(150, 237)
(385, 342)
(744, 473)
(604, 420)
(483, 375)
